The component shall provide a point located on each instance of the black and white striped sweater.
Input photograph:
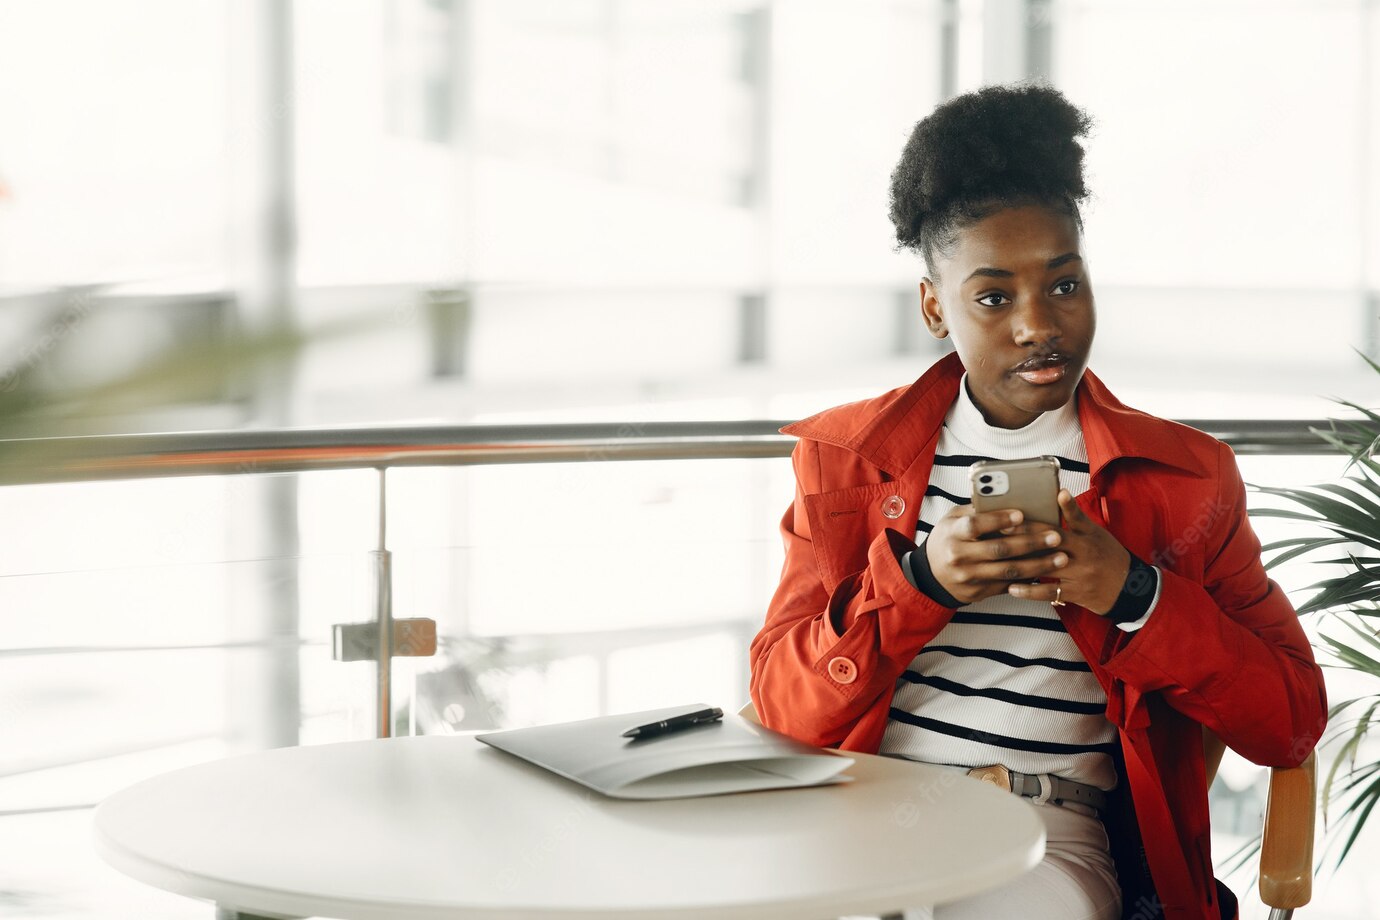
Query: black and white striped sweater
(1003, 682)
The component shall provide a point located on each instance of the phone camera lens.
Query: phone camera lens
(985, 478)
(986, 490)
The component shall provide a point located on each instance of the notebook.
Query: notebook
(731, 755)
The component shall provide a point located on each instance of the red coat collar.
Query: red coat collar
(891, 430)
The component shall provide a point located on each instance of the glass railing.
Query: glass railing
(171, 599)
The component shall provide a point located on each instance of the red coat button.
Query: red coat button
(893, 506)
(843, 670)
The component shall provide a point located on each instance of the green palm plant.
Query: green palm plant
(1344, 522)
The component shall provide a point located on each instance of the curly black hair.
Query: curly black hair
(997, 147)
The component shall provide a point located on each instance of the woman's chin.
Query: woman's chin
(1042, 397)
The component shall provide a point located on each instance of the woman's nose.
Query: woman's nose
(1035, 323)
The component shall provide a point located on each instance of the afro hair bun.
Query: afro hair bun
(998, 145)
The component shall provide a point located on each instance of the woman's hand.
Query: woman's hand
(1097, 564)
(971, 568)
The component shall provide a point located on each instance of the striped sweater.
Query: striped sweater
(1003, 682)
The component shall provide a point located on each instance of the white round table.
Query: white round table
(447, 827)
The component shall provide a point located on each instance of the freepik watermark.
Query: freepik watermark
(1209, 513)
(906, 812)
(545, 848)
(74, 313)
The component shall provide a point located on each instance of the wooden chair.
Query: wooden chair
(1286, 847)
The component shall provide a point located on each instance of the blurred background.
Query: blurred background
(550, 211)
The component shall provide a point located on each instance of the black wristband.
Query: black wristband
(1142, 580)
(926, 582)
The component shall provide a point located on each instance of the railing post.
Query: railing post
(383, 600)
(386, 636)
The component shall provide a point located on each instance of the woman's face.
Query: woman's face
(1015, 295)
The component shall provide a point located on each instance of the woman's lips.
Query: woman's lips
(1043, 376)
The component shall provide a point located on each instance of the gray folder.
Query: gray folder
(732, 755)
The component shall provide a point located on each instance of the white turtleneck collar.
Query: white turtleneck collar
(1054, 432)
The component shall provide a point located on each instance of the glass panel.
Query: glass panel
(565, 591)
(151, 625)
(561, 591)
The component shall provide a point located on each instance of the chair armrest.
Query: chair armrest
(1286, 848)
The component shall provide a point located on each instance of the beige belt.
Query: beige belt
(1042, 787)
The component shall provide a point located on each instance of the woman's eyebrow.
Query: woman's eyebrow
(1004, 273)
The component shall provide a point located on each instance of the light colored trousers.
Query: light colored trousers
(1075, 881)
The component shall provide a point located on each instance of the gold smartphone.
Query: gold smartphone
(1031, 485)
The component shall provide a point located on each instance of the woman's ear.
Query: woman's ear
(930, 309)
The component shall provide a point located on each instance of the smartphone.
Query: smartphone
(1032, 485)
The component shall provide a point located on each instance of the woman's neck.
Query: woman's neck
(1046, 434)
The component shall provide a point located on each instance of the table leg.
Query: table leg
(230, 913)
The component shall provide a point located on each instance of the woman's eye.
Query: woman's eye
(992, 300)
(1066, 287)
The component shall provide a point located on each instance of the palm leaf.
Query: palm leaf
(1346, 511)
(1333, 513)
(1346, 590)
(1337, 709)
(1356, 496)
(1367, 799)
(1349, 558)
(1367, 358)
(1356, 776)
(1368, 637)
(1356, 443)
(1355, 658)
(1242, 855)
(1353, 740)
(1356, 529)
(1301, 546)
(1363, 459)
(1351, 588)
(1295, 541)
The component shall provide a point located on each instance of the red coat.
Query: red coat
(1223, 649)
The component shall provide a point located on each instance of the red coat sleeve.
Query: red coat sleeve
(874, 619)
(1230, 653)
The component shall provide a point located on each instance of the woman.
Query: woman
(1082, 665)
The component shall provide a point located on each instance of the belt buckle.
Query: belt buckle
(996, 774)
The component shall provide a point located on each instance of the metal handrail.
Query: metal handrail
(200, 453)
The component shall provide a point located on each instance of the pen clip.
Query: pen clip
(674, 723)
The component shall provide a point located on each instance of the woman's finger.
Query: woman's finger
(978, 523)
(1006, 547)
(1073, 514)
(1024, 569)
(1044, 591)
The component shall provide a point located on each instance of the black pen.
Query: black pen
(675, 723)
